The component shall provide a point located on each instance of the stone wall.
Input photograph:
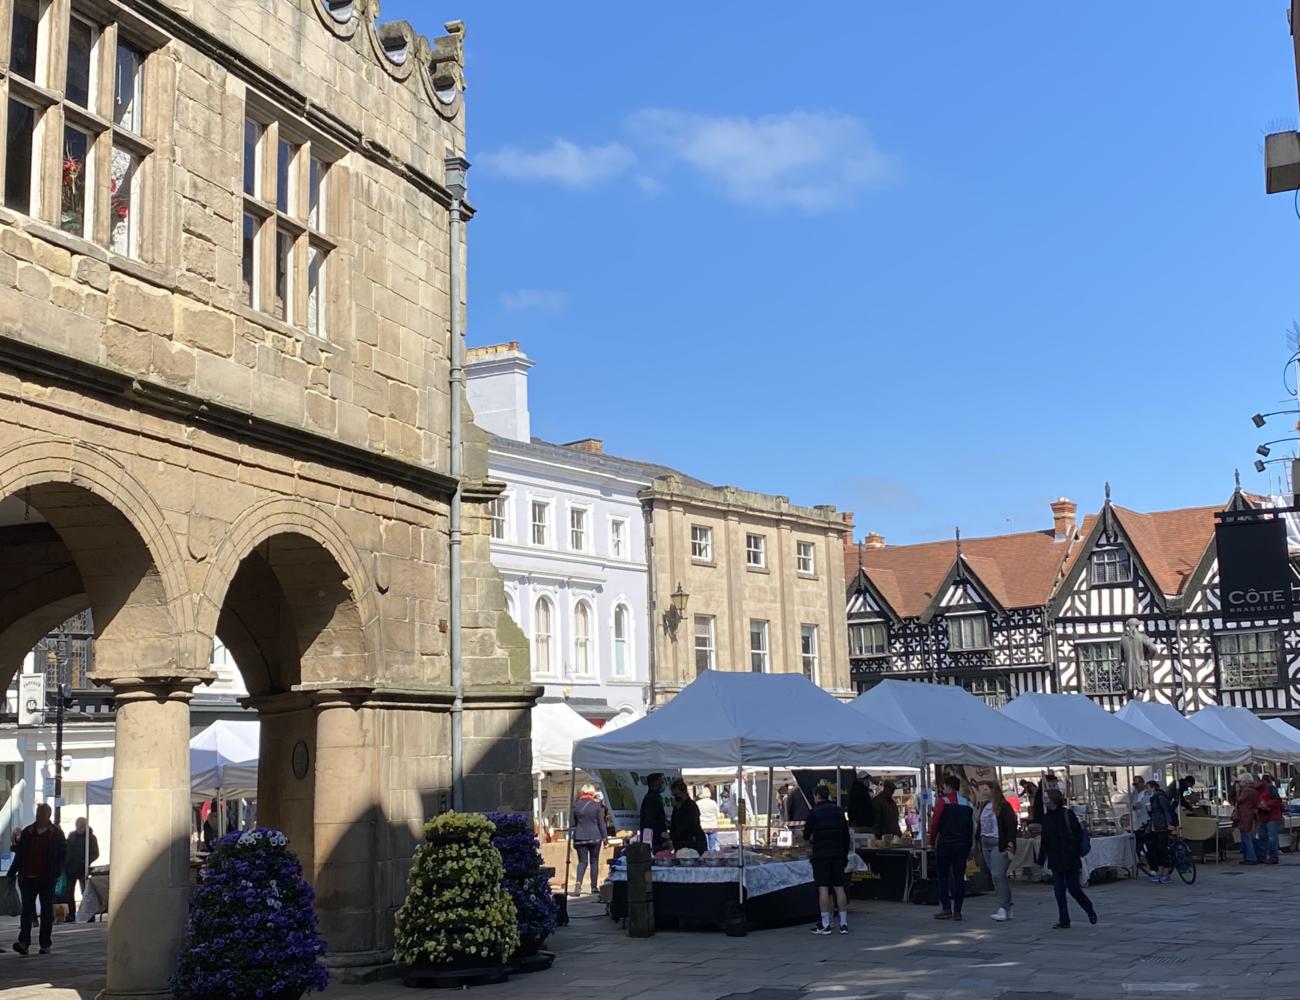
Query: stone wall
(734, 593)
(193, 464)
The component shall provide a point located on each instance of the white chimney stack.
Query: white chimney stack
(496, 380)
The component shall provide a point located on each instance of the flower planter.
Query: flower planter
(424, 975)
(458, 923)
(446, 839)
(251, 933)
(528, 882)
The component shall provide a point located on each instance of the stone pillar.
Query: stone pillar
(347, 816)
(286, 784)
(149, 895)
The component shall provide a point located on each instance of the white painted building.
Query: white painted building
(569, 538)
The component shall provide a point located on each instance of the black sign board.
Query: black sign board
(1254, 571)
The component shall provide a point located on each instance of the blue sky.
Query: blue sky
(935, 264)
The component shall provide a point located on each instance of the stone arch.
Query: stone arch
(283, 516)
(144, 618)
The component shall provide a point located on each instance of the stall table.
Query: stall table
(1117, 851)
(775, 893)
(897, 869)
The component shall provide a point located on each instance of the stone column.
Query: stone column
(286, 784)
(149, 895)
(347, 815)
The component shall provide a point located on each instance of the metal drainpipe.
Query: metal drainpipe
(456, 167)
(651, 602)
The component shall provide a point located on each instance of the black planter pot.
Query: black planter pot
(424, 975)
(538, 961)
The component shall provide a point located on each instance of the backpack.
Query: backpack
(1085, 841)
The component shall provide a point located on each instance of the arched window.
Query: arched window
(542, 637)
(582, 640)
(622, 625)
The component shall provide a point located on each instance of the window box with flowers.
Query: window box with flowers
(457, 919)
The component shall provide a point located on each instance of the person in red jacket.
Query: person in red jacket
(952, 833)
(1245, 796)
(1269, 811)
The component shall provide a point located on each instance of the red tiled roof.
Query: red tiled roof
(1170, 542)
(1018, 569)
(1022, 570)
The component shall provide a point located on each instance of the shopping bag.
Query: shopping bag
(10, 904)
(61, 887)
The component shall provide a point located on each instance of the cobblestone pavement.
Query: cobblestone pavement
(1196, 941)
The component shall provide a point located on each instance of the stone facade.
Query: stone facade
(204, 436)
(700, 541)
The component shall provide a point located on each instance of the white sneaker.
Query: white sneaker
(1001, 915)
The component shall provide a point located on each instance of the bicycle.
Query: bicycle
(1180, 856)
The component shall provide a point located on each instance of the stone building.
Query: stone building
(763, 582)
(225, 350)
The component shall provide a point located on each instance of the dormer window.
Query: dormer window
(1109, 566)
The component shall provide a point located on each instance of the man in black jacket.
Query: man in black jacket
(831, 843)
(952, 832)
(862, 812)
(654, 821)
(38, 861)
(82, 844)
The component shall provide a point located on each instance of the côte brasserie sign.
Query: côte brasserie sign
(1254, 570)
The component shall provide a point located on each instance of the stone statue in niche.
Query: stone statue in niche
(1135, 648)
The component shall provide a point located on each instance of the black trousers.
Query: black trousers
(952, 876)
(31, 890)
(588, 854)
(76, 883)
(1062, 881)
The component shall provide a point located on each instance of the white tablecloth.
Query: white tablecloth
(1119, 851)
(760, 879)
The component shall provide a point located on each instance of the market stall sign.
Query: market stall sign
(1254, 571)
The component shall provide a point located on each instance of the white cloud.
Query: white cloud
(814, 161)
(540, 299)
(562, 162)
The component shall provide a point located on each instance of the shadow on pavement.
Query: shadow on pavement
(75, 966)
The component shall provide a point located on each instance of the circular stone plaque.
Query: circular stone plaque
(300, 757)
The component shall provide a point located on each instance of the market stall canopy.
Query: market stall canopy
(223, 758)
(726, 719)
(1244, 726)
(556, 727)
(948, 723)
(1192, 742)
(1285, 728)
(624, 718)
(1086, 732)
(222, 745)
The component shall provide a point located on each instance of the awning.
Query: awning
(1244, 726)
(949, 724)
(556, 727)
(1191, 741)
(732, 719)
(223, 758)
(1086, 732)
